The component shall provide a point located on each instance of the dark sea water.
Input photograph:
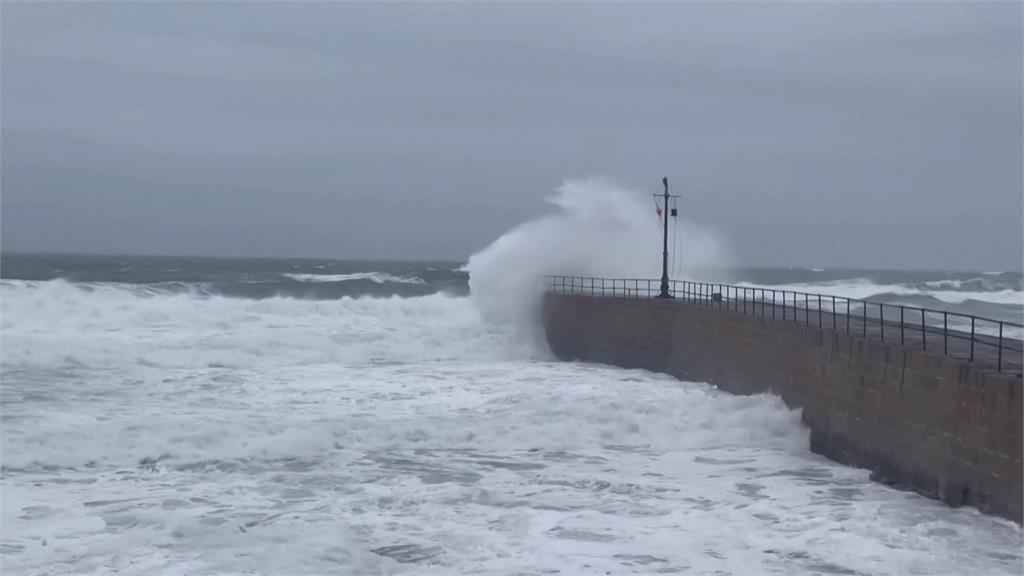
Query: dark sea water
(244, 277)
(993, 294)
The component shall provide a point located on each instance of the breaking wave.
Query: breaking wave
(375, 277)
(595, 229)
(56, 324)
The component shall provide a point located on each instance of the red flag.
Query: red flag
(658, 209)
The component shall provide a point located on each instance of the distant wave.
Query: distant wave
(377, 285)
(376, 277)
(948, 291)
(979, 284)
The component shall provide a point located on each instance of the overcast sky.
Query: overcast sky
(817, 134)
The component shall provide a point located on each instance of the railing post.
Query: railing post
(763, 313)
(833, 312)
(945, 333)
(807, 309)
(1000, 368)
(924, 337)
(972, 338)
(902, 336)
(847, 315)
(881, 319)
(773, 304)
(864, 323)
(819, 311)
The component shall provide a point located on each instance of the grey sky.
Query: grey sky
(818, 134)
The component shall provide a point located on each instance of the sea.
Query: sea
(181, 415)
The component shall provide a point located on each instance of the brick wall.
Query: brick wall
(944, 427)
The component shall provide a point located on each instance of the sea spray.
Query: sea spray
(597, 229)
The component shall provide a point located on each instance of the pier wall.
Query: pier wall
(944, 427)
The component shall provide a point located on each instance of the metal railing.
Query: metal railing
(954, 334)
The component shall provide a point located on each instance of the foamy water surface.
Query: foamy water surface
(158, 433)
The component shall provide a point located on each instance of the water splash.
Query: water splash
(596, 229)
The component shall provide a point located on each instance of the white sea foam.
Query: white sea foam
(169, 433)
(49, 325)
(375, 277)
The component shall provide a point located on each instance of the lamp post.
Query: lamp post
(664, 252)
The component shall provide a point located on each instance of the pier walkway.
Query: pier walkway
(985, 341)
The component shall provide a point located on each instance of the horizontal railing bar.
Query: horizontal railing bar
(738, 297)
